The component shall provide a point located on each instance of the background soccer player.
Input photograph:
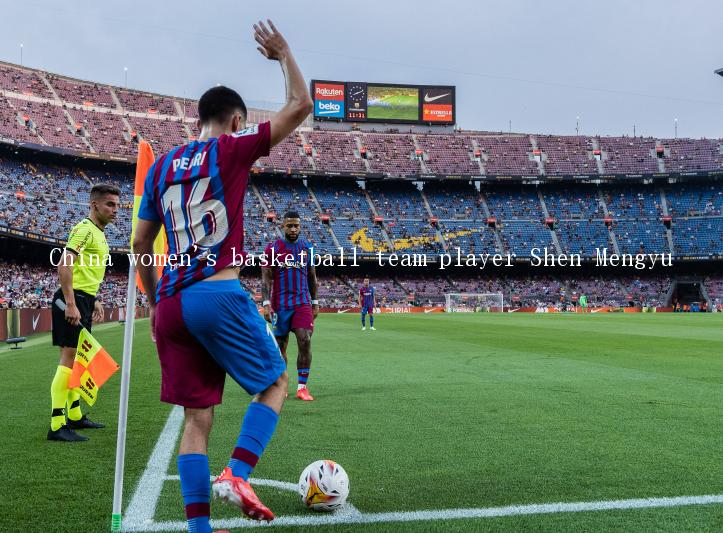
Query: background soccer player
(367, 302)
(81, 270)
(204, 323)
(583, 303)
(289, 292)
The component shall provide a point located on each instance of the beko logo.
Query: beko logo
(328, 108)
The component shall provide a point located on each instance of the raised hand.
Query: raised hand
(272, 44)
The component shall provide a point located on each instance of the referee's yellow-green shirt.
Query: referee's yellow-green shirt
(88, 241)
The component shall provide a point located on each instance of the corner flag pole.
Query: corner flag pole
(120, 449)
(143, 164)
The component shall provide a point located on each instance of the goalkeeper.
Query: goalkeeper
(81, 270)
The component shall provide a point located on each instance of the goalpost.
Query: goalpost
(473, 302)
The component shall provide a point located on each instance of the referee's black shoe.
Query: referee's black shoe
(65, 434)
(84, 423)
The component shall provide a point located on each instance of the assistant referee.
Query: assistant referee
(81, 271)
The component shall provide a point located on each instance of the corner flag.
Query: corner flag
(92, 367)
(143, 165)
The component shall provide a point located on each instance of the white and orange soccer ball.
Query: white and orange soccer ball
(324, 486)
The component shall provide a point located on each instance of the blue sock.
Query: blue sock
(258, 426)
(196, 491)
(371, 321)
(303, 375)
(364, 321)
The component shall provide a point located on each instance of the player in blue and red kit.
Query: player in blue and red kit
(367, 302)
(289, 292)
(204, 324)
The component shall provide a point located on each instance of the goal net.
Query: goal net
(471, 302)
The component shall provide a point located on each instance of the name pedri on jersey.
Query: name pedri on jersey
(197, 190)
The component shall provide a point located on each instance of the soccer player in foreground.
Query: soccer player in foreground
(204, 323)
(81, 270)
(289, 292)
(367, 302)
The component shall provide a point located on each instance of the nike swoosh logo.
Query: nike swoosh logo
(35, 321)
(340, 311)
(429, 99)
(426, 311)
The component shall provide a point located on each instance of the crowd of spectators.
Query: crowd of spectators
(48, 199)
(29, 285)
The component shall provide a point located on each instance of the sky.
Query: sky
(530, 65)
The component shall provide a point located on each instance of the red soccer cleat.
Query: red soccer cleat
(303, 394)
(236, 491)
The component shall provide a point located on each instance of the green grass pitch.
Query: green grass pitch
(429, 412)
(401, 107)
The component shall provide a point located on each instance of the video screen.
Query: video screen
(392, 103)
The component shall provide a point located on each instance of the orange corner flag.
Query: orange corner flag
(92, 367)
(143, 165)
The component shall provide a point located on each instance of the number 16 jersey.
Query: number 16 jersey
(197, 191)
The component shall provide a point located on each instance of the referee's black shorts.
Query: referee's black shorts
(64, 333)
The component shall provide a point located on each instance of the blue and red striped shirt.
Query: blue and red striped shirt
(367, 294)
(290, 270)
(197, 190)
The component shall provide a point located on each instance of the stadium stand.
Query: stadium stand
(398, 200)
(336, 151)
(507, 155)
(391, 154)
(146, 103)
(49, 122)
(567, 155)
(78, 92)
(449, 154)
(106, 132)
(44, 200)
(628, 155)
(287, 155)
(23, 81)
(454, 200)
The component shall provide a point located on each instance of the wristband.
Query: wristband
(266, 302)
(314, 302)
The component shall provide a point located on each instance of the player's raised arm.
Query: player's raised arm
(273, 46)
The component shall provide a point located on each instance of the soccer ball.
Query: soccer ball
(324, 486)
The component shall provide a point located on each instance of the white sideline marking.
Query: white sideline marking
(341, 517)
(143, 505)
(140, 512)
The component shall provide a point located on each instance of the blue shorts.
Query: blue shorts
(367, 310)
(206, 331)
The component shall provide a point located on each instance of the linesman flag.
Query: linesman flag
(143, 164)
(92, 367)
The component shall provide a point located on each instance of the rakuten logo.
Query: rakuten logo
(327, 91)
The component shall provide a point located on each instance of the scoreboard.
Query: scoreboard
(354, 101)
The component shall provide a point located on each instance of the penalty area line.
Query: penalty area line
(356, 517)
